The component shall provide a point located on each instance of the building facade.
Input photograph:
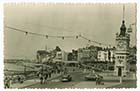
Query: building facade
(41, 54)
(87, 54)
(106, 55)
(72, 56)
(103, 55)
(83, 54)
(122, 52)
(61, 55)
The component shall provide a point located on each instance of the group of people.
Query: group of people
(8, 80)
(99, 80)
(43, 78)
(44, 74)
(20, 78)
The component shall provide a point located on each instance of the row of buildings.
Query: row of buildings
(94, 53)
(91, 53)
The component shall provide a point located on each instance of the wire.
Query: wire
(94, 41)
(20, 30)
(37, 34)
(52, 36)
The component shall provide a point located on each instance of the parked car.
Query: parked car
(92, 76)
(66, 78)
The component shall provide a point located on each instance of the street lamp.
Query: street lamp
(130, 28)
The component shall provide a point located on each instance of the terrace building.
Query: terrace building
(106, 55)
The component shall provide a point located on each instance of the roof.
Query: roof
(42, 52)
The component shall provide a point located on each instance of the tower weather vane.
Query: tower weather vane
(123, 28)
(123, 11)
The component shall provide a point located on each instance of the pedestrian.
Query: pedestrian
(73, 70)
(7, 82)
(97, 80)
(19, 78)
(45, 78)
(41, 78)
(50, 74)
(100, 80)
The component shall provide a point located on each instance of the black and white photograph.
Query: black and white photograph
(70, 45)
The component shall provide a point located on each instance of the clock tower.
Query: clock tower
(122, 53)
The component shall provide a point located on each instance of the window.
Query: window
(120, 57)
(59, 54)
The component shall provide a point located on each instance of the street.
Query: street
(77, 77)
(78, 81)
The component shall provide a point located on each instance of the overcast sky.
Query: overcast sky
(98, 22)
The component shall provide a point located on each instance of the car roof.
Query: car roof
(66, 75)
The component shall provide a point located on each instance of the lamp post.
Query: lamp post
(130, 28)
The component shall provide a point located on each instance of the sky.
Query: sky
(99, 22)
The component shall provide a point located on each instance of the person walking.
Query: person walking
(50, 73)
(7, 82)
(19, 78)
(101, 80)
(45, 78)
(97, 80)
(41, 78)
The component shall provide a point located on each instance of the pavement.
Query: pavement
(109, 77)
(91, 84)
(31, 82)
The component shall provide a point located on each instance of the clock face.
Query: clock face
(121, 45)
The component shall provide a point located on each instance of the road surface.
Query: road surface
(78, 81)
(77, 77)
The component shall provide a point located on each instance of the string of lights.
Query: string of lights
(100, 44)
(53, 36)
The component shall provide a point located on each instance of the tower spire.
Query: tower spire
(123, 28)
(123, 11)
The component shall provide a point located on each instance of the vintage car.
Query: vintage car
(66, 78)
(92, 76)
